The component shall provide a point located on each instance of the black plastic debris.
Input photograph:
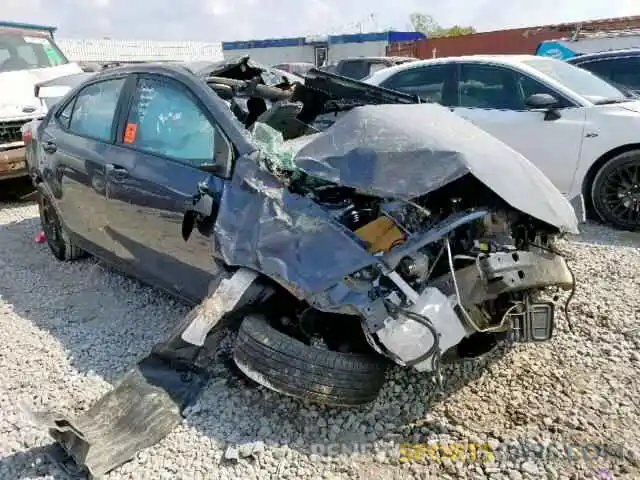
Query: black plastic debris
(143, 407)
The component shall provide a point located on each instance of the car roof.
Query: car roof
(296, 63)
(512, 60)
(152, 67)
(625, 52)
(518, 62)
(377, 59)
(503, 59)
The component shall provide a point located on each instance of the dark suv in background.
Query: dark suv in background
(620, 67)
(359, 68)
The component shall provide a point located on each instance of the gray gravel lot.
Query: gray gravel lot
(69, 330)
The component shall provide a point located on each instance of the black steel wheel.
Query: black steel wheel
(616, 191)
(58, 241)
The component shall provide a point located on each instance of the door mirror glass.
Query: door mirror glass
(541, 101)
(222, 156)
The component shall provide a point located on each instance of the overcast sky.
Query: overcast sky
(255, 19)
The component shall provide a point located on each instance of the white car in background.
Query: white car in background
(28, 55)
(579, 130)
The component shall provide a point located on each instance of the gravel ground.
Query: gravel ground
(566, 409)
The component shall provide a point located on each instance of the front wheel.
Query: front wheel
(616, 191)
(290, 367)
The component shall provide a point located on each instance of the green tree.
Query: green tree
(426, 24)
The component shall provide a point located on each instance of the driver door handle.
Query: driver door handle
(49, 146)
(116, 172)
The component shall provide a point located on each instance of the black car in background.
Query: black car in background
(359, 68)
(620, 67)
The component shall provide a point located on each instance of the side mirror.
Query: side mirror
(222, 155)
(543, 101)
(199, 213)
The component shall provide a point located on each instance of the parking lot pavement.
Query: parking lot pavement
(565, 409)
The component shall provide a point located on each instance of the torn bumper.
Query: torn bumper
(509, 272)
(410, 336)
(13, 163)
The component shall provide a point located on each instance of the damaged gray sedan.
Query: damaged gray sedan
(341, 227)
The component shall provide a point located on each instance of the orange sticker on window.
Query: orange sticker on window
(130, 133)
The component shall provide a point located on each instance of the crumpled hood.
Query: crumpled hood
(406, 151)
(17, 99)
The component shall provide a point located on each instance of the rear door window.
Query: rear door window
(426, 82)
(93, 110)
(488, 86)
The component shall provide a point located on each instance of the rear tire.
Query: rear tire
(57, 237)
(288, 366)
(619, 176)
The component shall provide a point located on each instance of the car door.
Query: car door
(76, 143)
(166, 136)
(493, 98)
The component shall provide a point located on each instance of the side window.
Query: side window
(426, 82)
(356, 69)
(488, 86)
(626, 71)
(93, 110)
(376, 66)
(166, 120)
(529, 86)
(64, 117)
(602, 68)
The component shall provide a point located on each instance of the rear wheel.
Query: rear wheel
(616, 191)
(288, 366)
(57, 238)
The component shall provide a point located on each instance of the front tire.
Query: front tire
(615, 191)
(57, 238)
(288, 366)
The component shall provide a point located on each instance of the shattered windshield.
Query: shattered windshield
(279, 152)
(19, 51)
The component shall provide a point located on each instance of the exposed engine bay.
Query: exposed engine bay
(458, 265)
(500, 264)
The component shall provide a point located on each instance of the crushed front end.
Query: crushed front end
(458, 231)
(481, 281)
